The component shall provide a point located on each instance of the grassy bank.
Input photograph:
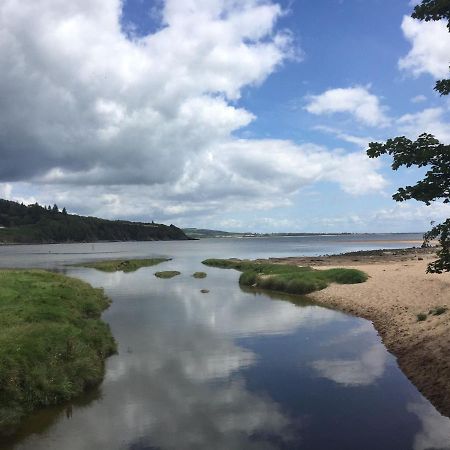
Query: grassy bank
(287, 278)
(123, 265)
(52, 341)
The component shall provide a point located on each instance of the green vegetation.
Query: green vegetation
(123, 265)
(199, 275)
(167, 274)
(427, 152)
(432, 312)
(287, 278)
(439, 310)
(52, 341)
(39, 225)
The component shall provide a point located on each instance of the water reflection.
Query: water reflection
(160, 397)
(235, 369)
(354, 372)
(435, 432)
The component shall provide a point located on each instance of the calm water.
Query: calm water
(230, 369)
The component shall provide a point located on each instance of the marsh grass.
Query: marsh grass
(167, 274)
(199, 275)
(52, 341)
(287, 278)
(123, 265)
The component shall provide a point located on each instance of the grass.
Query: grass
(439, 310)
(52, 341)
(124, 265)
(167, 274)
(432, 312)
(287, 278)
(199, 275)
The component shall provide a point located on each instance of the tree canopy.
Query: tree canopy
(427, 152)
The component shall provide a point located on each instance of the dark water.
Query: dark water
(230, 369)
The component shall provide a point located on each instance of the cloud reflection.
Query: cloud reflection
(172, 390)
(354, 372)
(435, 432)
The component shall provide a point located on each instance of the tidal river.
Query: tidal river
(230, 369)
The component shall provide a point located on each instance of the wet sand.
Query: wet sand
(397, 291)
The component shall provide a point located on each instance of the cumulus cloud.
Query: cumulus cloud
(87, 108)
(230, 176)
(357, 101)
(430, 47)
(431, 120)
(79, 96)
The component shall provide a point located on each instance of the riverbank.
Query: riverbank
(52, 341)
(397, 292)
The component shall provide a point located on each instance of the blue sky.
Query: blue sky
(250, 115)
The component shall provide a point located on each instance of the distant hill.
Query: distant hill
(201, 233)
(35, 224)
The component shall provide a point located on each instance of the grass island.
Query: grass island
(123, 265)
(287, 278)
(167, 274)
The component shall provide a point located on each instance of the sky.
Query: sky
(241, 115)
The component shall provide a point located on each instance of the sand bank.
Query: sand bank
(397, 291)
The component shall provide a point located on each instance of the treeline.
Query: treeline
(45, 224)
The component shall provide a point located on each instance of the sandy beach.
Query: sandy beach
(397, 291)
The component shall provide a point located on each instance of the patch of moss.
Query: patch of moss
(123, 265)
(52, 341)
(199, 275)
(167, 274)
(287, 278)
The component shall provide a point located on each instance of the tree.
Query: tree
(64, 211)
(428, 152)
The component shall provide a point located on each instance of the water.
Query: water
(49, 256)
(230, 369)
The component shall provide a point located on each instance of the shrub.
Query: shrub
(439, 310)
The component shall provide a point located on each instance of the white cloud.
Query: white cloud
(92, 100)
(408, 216)
(5, 190)
(430, 47)
(357, 101)
(431, 120)
(418, 99)
(360, 141)
(111, 125)
(228, 177)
